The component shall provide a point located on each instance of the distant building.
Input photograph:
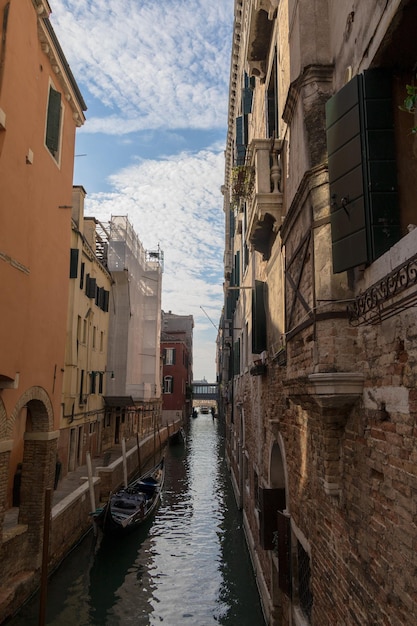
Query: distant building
(86, 378)
(133, 400)
(40, 109)
(177, 368)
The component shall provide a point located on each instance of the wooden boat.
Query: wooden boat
(129, 507)
(177, 438)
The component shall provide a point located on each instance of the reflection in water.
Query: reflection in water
(189, 565)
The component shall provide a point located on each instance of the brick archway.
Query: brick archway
(278, 476)
(39, 459)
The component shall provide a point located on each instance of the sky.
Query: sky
(155, 79)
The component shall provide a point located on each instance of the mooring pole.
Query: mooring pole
(45, 555)
(139, 459)
(124, 460)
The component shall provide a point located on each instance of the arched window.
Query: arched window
(168, 384)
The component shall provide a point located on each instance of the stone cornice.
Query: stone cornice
(311, 179)
(51, 47)
(310, 74)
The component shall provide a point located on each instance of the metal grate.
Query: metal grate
(304, 581)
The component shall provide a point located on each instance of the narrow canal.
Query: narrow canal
(190, 565)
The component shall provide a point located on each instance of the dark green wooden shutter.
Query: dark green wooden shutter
(237, 270)
(173, 355)
(270, 501)
(232, 224)
(240, 141)
(106, 295)
(236, 358)
(90, 287)
(258, 318)
(53, 121)
(362, 170)
(74, 263)
(82, 275)
(247, 95)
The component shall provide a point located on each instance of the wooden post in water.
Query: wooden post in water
(124, 461)
(91, 482)
(45, 555)
(139, 459)
(160, 441)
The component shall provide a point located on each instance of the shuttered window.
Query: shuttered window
(53, 122)
(236, 358)
(74, 263)
(272, 102)
(240, 141)
(169, 356)
(258, 318)
(90, 287)
(362, 170)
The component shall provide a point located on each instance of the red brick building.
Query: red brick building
(177, 371)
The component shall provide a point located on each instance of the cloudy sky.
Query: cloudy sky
(154, 76)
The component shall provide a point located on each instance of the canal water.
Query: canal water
(188, 566)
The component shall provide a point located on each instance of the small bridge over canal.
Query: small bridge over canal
(205, 393)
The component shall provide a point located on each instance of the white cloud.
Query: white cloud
(176, 202)
(161, 68)
(150, 65)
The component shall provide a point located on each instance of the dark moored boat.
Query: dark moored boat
(129, 507)
(177, 438)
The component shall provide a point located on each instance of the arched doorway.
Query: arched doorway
(34, 445)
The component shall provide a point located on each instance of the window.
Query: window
(272, 102)
(94, 336)
(82, 275)
(79, 328)
(53, 122)
(258, 318)
(74, 262)
(168, 384)
(93, 382)
(362, 170)
(304, 580)
(170, 356)
(90, 287)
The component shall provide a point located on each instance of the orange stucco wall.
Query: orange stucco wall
(35, 232)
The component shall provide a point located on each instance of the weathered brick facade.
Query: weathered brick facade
(318, 374)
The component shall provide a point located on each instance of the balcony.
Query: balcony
(265, 204)
(259, 35)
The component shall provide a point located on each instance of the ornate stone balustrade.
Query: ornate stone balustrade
(265, 204)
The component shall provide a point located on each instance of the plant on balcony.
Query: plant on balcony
(409, 104)
(242, 182)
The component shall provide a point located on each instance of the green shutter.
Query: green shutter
(258, 318)
(53, 121)
(247, 95)
(362, 170)
(106, 300)
(240, 141)
(236, 358)
(74, 253)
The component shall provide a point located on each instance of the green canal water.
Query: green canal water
(188, 566)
